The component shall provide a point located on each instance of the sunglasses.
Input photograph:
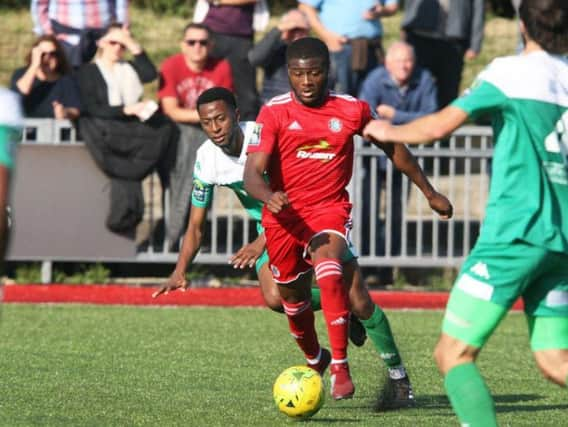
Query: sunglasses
(114, 43)
(51, 54)
(202, 42)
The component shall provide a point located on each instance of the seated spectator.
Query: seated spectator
(270, 52)
(45, 83)
(183, 77)
(398, 92)
(125, 133)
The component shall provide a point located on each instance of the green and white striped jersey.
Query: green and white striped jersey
(214, 167)
(527, 98)
(11, 122)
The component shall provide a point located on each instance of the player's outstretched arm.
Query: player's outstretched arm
(257, 187)
(432, 127)
(191, 244)
(249, 253)
(405, 162)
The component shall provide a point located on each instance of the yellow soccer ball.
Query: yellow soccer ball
(298, 392)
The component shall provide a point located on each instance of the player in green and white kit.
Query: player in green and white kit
(10, 127)
(523, 246)
(220, 162)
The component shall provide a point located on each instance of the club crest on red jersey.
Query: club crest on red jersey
(275, 271)
(335, 125)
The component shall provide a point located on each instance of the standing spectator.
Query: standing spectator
(231, 22)
(353, 36)
(125, 133)
(270, 52)
(78, 24)
(183, 77)
(399, 92)
(443, 34)
(45, 84)
(10, 123)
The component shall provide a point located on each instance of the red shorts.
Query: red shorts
(287, 244)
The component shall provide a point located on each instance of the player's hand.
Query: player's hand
(440, 204)
(246, 256)
(175, 281)
(377, 130)
(277, 202)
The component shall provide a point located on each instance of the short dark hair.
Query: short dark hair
(308, 47)
(217, 93)
(546, 22)
(197, 26)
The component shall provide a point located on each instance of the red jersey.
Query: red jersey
(178, 81)
(311, 149)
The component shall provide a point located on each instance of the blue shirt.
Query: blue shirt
(346, 17)
(416, 100)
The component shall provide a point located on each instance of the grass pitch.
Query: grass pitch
(80, 365)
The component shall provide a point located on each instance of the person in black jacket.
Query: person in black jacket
(126, 134)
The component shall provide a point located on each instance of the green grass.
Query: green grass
(76, 365)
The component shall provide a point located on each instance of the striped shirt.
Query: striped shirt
(78, 14)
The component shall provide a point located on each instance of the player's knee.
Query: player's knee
(450, 352)
(362, 308)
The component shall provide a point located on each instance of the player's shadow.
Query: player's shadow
(440, 401)
(516, 399)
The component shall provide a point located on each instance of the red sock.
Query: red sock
(335, 305)
(301, 321)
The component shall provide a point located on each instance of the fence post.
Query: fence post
(46, 272)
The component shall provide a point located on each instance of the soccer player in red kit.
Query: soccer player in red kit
(305, 146)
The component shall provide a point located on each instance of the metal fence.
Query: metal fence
(393, 223)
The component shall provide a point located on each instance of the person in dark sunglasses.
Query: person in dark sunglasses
(183, 77)
(45, 83)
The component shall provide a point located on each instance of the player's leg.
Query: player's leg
(549, 341)
(546, 306)
(295, 297)
(292, 274)
(398, 391)
(326, 250)
(491, 279)
(269, 288)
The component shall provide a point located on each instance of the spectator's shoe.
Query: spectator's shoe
(396, 394)
(325, 359)
(357, 332)
(341, 385)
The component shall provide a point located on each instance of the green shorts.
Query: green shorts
(493, 277)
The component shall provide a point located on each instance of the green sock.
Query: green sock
(316, 299)
(470, 397)
(378, 329)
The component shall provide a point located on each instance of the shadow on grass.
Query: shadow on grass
(440, 401)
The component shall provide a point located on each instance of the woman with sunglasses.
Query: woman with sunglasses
(45, 83)
(126, 134)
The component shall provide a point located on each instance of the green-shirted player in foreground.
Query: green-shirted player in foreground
(523, 246)
(10, 127)
(220, 162)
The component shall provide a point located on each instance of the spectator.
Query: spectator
(443, 34)
(398, 92)
(78, 24)
(125, 134)
(45, 84)
(270, 52)
(231, 22)
(183, 77)
(353, 36)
